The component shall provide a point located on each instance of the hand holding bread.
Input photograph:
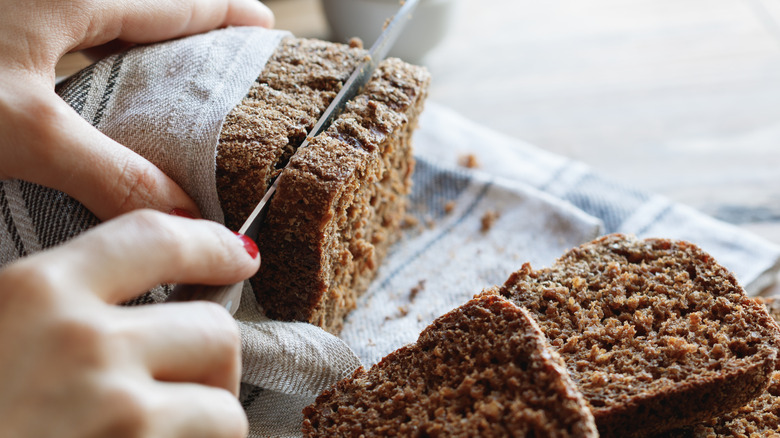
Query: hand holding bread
(44, 140)
(73, 364)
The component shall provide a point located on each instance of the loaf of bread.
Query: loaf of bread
(758, 419)
(482, 370)
(340, 201)
(655, 333)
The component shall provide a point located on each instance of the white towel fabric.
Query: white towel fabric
(167, 101)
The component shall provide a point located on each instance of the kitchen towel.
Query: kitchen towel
(468, 228)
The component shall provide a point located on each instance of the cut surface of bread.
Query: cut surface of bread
(340, 202)
(654, 332)
(760, 418)
(483, 369)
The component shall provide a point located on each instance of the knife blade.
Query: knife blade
(229, 296)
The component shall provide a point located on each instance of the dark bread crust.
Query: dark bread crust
(340, 203)
(655, 333)
(484, 369)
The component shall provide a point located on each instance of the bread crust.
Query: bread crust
(484, 369)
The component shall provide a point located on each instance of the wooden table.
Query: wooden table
(678, 97)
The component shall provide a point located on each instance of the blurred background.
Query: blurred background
(677, 97)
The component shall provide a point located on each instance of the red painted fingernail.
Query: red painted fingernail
(182, 213)
(249, 245)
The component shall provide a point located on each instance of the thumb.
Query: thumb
(48, 143)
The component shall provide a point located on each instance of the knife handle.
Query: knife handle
(229, 296)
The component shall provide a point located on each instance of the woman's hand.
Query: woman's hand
(74, 365)
(44, 141)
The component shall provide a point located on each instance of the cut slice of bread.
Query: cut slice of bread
(758, 419)
(655, 333)
(482, 370)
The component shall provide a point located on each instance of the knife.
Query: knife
(229, 296)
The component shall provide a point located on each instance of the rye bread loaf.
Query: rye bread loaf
(339, 204)
(654, 332)
(760, 418)
(482, 370)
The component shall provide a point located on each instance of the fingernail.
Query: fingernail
(249, 245)
(182, 213)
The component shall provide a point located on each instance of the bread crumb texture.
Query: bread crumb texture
(482, 370)
(758, 419)
(654, 332)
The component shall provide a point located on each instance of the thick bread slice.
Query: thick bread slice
(758, 419)
(340, 203)
(263, 131)
(482, 370)
(654, 332)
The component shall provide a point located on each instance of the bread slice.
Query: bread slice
(760, 418)
(654, 332)
(482, 370)
(340, 202)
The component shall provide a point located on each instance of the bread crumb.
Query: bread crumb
(468, 161)
(409, 221)
(488, 219)
(416, 290)
(449, 206)
(402, 311)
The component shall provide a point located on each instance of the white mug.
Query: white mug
(365, 19)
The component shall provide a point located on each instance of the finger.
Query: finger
(158, 20)
(50, 144)
(105, 50)
(135, 252)
(193, 411)
(186, 342)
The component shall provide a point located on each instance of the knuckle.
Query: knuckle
(33, 283)
(238, 425)
(161, 227)
(221, 332)
(229, 256)
(147, 220)
(165, 232)
(137, 183)
(86, 340)
(128, 413)
(189, 244)
(44, 118)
